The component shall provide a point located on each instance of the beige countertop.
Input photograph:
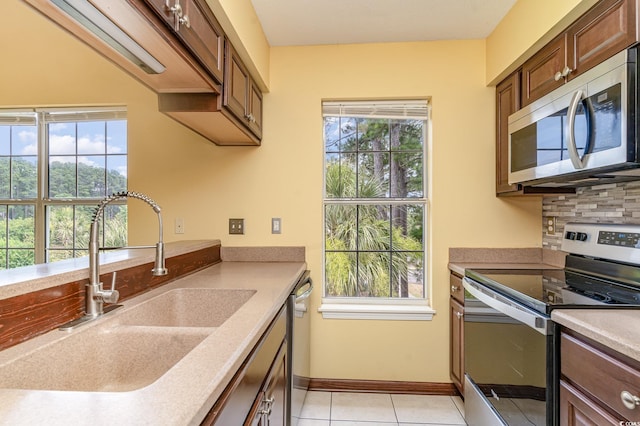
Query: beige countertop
(618, 329)
(184, 394)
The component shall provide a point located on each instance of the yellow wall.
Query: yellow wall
(205, 184)
(526, 28)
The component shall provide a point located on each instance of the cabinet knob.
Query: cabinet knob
(454, 288)
(459, 315)
(250, 118)
(629, 400)
(562, 74)
(184, 20)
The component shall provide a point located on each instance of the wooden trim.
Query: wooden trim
(383, 386)
(29, 315)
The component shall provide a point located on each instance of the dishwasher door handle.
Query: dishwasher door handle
(302, 283)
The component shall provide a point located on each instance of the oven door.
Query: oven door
(509, 368)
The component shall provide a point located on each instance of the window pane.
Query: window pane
(373, 170)
(24, 140)
(373, 227)
(340, 274)
(332, 134)
(407, 223)
(407, 274)
(340, 227)
(5, 183)
(115, 226)
(373, 135)
(406, 175)
(117, 137)
(20, 240)
(116, 173)
(91, 137)
(62, 177)
(61, 227)
(62, 138)
(92, 177)
(5, 140)
(340, 177)
(83, 216)
(24, 177)
(373, 274)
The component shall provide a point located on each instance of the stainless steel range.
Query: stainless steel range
(511, 344)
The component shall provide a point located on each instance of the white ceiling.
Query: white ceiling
(311, 22)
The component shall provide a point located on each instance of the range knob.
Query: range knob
(569, 235)
(581, 236)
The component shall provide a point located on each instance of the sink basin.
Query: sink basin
(116, 359)
(187, 307)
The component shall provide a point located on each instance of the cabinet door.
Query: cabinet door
(457, 344)
(602, 32)
(538, 73)
(204, 37)
(255, 110)
(507, 102)
(578, 410)
(275, 391)
(236, 84)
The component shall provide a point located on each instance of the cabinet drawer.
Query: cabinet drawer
(456, 289)
(599, 375)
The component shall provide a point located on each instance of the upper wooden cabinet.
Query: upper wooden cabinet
(182, 72)
(606, 29)
(507, 102)
(241, 96)
(194, 24)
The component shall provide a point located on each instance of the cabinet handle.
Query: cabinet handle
(184, 20)
(250, 118)
(629, 400)
(454, 288)
(562, 74)
(459, 315)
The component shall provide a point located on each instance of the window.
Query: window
(374, 202)
(55, 166)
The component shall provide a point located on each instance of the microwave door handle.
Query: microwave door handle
(571, 130)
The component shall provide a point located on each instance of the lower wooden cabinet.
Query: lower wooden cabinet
(270, 408)
(456, 343)
(598, 385)
(257, 394)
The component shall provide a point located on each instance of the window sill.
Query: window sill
(376, 311)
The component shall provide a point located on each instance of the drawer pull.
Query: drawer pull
(459, 315)
(454, 288)
(629, 400)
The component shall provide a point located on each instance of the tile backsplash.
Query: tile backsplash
(610, 203)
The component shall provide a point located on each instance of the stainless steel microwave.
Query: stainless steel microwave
(583, 132)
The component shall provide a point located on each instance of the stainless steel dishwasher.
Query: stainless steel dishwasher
(298, 346)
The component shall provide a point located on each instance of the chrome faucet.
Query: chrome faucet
(95, 294)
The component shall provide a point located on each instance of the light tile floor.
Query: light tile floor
(372, 409)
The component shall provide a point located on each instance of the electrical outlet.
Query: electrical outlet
(179, 225)
(276, 225)
(550, 225)
(236, 226)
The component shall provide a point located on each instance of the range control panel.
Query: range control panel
(604, 241)
(624, 239)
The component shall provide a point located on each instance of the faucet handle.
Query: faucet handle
(112, 295)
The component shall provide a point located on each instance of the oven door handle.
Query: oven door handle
(501, 304)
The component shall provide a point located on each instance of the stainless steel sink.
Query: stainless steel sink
(114, 359)
(187, 307)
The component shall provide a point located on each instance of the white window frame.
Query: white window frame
(368, 308)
